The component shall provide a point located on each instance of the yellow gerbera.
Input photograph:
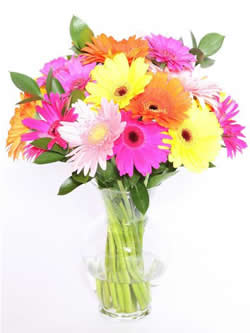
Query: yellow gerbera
(14, 143)
(197, 141)
(117, 81)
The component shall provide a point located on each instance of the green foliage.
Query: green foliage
(49, 157)
(68, 186)
(199, 55)
(80, 178)
(140, 197)
(53, 85)
(76, 95)
(211, 165)
(80, 32)
(42, 143)
(56, 86)
(208, 45)
(211, 43)
(207, 62)
(165, 171)
(28, 100)
(107, 178)
(194, 42)
(26, 84)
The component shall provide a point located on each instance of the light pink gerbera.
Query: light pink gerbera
(53, 111)
(232, 135)
(93, 135)
(70, 73)
(206, 91)
(170, 51)
(138, 146)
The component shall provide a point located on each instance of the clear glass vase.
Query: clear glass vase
(123, 274)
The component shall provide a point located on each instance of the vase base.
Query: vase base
(125, 316)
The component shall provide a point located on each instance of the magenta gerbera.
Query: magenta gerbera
(138, 146)
(70, 73)
(232, 135)
(53, 111)
(57, 65)
(170, 51)
(31, 152)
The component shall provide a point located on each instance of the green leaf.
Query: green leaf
(56, 86)
(199, 55)
(25, 83)
(30, 99)
(155, 180)
(76, 50)
(80, 178)
(140, 197)
(68, 186)
(211, 165)
(108, 175)
(194, 42)
(48, 157)
(80, 32)
(207, 62)
(76, 95)
(211, 43)
(49, 81)
(41, 143)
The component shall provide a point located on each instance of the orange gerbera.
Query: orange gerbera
(163, 100)
(14, 143)
(103, 47)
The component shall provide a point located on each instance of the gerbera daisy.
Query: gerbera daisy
(138, 146)
(170, 51)
(117, 81)
(232, 135)
(53, 111)
(164, 101)
(197, 141)
(57, 65)
(14, 144)
(205, 91)
(30, 152)
(70, 73)
(103, 47)
(93, 135)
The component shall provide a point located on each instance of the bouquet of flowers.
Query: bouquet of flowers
(127, 115)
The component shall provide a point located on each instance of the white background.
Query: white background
(201, 221)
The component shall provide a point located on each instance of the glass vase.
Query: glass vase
(123, 274)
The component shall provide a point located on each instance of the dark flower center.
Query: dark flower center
(153, 107)
(121, 91)
(133, 136)
(187, 136)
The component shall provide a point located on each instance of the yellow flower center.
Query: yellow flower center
(121, 91)
(97, 133)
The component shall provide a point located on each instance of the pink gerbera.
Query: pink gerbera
(53, 111)
(57, 65)
(70, 73)
(31, 152)
(138, 146)
(172, 52)
(93, 135)
(232, 135)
